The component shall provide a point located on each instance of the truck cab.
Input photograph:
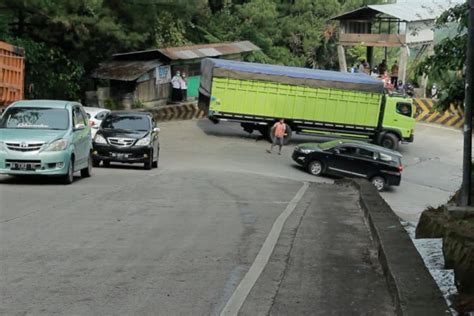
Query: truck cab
(398, 121)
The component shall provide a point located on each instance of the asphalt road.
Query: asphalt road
(179, 239)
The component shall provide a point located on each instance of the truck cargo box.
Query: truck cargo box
(12, 66)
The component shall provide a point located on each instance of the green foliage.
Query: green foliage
(446, 66)
(111, 105)
(137, 104)
(65, 40)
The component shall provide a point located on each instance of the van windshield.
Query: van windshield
(35, 118)
(126, 122)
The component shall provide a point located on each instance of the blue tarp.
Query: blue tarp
(291, 75)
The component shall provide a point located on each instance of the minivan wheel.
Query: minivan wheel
(379, 183)
(95, 163)
(87, 172)
(315, 167)
(68, 178)
(149, 163)
(106, 163)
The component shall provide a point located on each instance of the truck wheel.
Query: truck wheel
(390, 141)
(287, 137)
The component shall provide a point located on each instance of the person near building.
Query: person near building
(394, 74)
(362, 66)
(382, 68)
(184, 87)
(278, 131)
(176, 85)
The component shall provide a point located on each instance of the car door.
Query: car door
(346, 163)
(366, 162)
(80, 135)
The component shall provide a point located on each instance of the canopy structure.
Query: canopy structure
(284, 74)
(403, 24)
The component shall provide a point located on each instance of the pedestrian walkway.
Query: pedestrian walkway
(331, 266)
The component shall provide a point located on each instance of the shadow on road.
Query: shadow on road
(34, 180)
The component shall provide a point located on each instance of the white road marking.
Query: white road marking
(237, 299)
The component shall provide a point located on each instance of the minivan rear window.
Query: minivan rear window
(35, 118)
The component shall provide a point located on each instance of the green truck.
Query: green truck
(312, 102)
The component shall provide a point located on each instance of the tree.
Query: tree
(447, 66)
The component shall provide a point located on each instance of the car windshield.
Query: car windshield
(35, 118)
(127, 122)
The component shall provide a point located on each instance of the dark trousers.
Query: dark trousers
(176, 95)
(184, 94)
(394, 81)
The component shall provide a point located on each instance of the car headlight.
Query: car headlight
(304, 151)
(144, 141)
(57, 145)
(2, 146)
(99, 139)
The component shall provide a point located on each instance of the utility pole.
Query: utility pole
(467, 156)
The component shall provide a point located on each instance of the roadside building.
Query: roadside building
(408, 26)
(145, 76)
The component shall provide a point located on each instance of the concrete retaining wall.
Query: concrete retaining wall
(185, 111)
(425, 112)
(411, 285)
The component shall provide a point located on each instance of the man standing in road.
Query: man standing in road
(278, 131)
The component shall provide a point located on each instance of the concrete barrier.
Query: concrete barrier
(409, 281)
(425, 112)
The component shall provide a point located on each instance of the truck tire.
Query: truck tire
(287, 137)
(390, 141)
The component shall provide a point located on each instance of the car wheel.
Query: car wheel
(155, 163)
(149, 163)
(95, 163)
(106, 163)
(87, 172)
(390, 141)
(379, 183)
(315, 167)
(68, 178)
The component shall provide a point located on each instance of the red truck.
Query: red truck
(12, 73)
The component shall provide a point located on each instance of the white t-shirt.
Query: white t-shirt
(183, 83)
(176, 82)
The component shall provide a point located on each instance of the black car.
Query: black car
(127, 137)
(349, 158)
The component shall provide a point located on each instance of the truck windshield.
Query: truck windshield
(127, 122)
(35, 118)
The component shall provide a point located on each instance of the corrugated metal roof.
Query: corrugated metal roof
(124, 70)
(208, 50)
(413, 11)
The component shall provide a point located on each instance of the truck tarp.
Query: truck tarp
(287, 75)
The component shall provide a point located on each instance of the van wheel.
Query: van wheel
(106, 164)
(379, 183)
(95, 163)
(315, 167)
(390, 141)
(286, 138)
(68, 178)
(149, 163)
(87, 172)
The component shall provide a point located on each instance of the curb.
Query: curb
(185, 111)
(413, 289)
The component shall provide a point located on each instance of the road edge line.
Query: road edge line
(240, 294)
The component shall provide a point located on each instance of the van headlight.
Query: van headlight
(99, 139)
(144, 141)
(57, 145)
